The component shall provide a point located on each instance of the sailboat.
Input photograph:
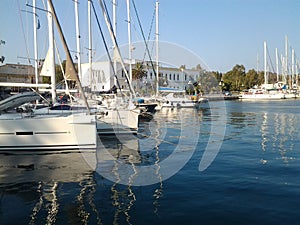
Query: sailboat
(30, 131)
(265, 93)
(114, 115)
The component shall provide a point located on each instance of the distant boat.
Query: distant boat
(178, 99)
(267, 92)
(259, 94)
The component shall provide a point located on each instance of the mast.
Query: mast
(68, 56)
(157, 48)
(115, 34)
(116, 48)
(293, 66)
(35, 43)
(286, 58)
(265, 64)
(51, 52)
(90, 44)
(277, 66)
(129, 40)
(78, 39)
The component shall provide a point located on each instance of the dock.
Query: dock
(221, 97)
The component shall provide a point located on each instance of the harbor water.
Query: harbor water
(229, 162)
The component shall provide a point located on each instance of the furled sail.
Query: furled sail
(46, 70)
(70, 72)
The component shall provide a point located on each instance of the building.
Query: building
(178, 78)
(17, 73)
(102, 77)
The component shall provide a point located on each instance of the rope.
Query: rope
(144, 38)
(105, 45)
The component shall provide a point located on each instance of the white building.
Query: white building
(102, 77)
(179, 78)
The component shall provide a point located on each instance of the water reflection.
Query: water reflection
(35, 184)
(133, 152)
(279, 135)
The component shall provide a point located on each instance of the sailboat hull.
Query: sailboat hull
(118, 122)
(76, 131)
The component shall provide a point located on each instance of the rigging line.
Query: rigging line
(150, 30)
(270, 59)
(23, 32)
(105, 45)
(147, 48)
(110, 28)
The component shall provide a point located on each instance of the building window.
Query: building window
(177, 76)
(174, 76)
(170, 76)
(151, 75)
(103, 87)
(185, 77)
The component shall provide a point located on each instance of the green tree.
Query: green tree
(138, 72)
(234, 79)
(251, 79)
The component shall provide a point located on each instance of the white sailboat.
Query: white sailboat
(43, 131)
(265, 93)
(113, 115)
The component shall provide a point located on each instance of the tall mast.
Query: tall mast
(68, 56)
(129, 40)
(78, 39)
(293, 66)
(51, 52)
(90, 43)
(35, 42)
(115, 34)
(157, 48)
(265, 64)
(277, 66)
(110, 29)
(286, 58)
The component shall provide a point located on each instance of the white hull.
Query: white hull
(254, 96)
(76, 131)
(108, 121)
(180, 104)
(170, 101)
(291, 95)
(118, 121)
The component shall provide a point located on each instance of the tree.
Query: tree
(234, 79)
(138, 72)
(251, 79)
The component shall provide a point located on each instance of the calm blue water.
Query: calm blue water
(253, 178)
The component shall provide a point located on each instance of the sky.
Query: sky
(217, 33)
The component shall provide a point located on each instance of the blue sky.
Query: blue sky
(222, 32)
